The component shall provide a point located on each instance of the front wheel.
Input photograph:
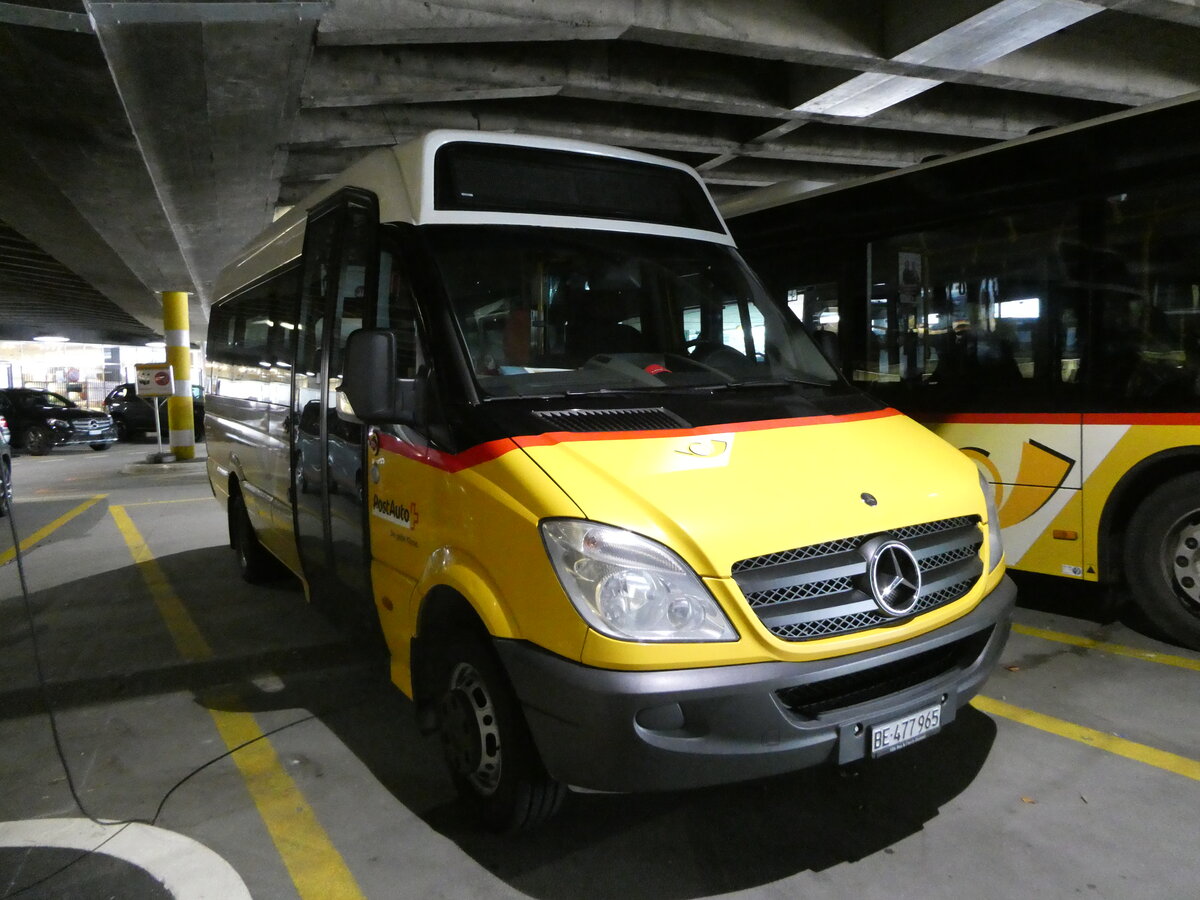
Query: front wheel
(1163, 559)
(487, 744)
(254, 562)
(37, 440)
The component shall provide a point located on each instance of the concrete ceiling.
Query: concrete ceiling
(143, 143)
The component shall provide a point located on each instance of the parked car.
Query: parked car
(5, 466)
(134, 415)
(40, 420)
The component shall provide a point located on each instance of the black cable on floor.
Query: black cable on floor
(52, 718)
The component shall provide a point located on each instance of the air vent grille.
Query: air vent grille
(643, 419)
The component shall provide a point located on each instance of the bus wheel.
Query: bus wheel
(253, 561)
(487, 745)
(1163, 559)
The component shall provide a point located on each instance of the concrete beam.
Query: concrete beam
(74, 182)
(210, 98)
(617, 72)
(830, 30)
(1101, 59)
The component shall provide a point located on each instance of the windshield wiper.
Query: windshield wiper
(777, 383)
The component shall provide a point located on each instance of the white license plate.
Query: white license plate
(893, 735)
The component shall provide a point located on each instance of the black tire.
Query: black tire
(486, 742)
(122, 430)
(254, 562)
(37, 440)
(99, 446)
(1162, 559)
(6, 491)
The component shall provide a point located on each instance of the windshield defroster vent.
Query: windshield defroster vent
(647, 419)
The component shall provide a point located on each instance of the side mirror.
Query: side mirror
(369, 378)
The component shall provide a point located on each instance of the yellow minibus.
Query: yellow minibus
(517, 408)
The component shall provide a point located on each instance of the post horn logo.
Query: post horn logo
(894, 578)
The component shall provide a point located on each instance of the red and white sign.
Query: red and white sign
(155, 380)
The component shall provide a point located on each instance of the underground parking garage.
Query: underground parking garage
(531, 533)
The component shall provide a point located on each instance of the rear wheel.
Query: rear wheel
(254, 562)
(5, 485)
(486, 742)
(37, 440)
(1163, 559)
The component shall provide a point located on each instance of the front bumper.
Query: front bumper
(69, 437)
(608, 730)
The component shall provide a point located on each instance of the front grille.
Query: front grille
(810, 700)
(646, 419)
(84, 426)
(821, 590)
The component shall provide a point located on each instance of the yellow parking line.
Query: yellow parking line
(1160, 759)
(207, 498)
(188, 639)
(316, 868)
(1165, 659)
(45, 531)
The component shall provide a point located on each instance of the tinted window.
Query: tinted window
(554, 182)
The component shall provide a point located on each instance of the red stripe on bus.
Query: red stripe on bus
(1141, 419)
(491, 450)
(1063, 419)
(1001, 419)
(564, 437)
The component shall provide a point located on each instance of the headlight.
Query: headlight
(995, 545)
(630, 587)
(58, 423)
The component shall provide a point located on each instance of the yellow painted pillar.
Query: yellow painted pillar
(180, 417)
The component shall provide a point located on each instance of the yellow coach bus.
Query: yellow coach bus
(516, 408)
(1036, 303)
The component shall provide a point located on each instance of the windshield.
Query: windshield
(41, 399)
(549, 311)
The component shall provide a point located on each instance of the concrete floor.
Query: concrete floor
(1083, 779)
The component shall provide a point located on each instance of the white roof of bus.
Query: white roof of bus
(400, 177)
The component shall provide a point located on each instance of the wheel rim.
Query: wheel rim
(1181, 551)
(470, 737)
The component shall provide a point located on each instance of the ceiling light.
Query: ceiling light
(50, 339)
(1000, 29)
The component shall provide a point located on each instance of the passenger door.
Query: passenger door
(337, 297)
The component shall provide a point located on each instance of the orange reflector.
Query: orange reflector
(1060, 535)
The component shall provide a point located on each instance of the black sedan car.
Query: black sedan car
(134, 415)
(40, 420)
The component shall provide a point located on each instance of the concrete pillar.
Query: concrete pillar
(179, 406)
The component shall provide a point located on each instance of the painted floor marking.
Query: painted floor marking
(186, 868)
(316, 867)
(1160, 759)
(207, 498)
(1165, 659)
(46, 530)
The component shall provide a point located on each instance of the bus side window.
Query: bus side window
(972, 314)
(1144, 282)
